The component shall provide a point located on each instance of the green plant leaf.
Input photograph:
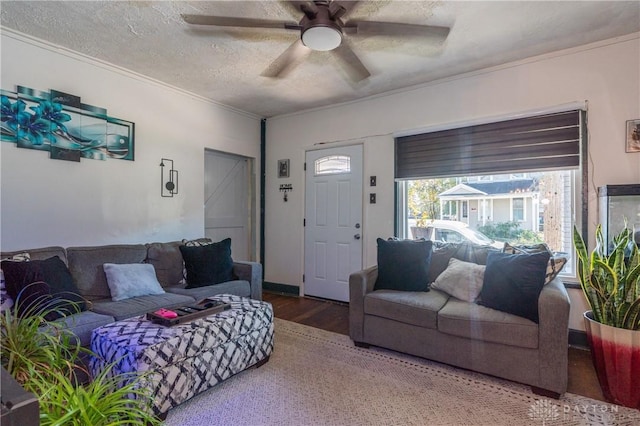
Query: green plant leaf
(43, 356)
(611, 282)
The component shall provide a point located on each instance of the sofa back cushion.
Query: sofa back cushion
(440, 257)
(167, 260)
(474, 253)
(86, 266)
(467, 252)
(42, 253)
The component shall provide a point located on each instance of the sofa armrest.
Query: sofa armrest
(553, 309)
(360, 283)
(252, 272)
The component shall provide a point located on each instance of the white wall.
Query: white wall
(606, 75)
(50, 202)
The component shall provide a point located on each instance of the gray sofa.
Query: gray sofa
(436, 326)
(86, 267)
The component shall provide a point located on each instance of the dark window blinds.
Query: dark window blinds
(544, 142)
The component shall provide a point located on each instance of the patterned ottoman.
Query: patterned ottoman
(187, 359)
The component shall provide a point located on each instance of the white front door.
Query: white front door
(333, 221)
(227, 196)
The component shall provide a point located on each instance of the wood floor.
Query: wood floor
(334, 316)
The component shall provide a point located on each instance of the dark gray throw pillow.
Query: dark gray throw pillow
(403, 265)
(208, 264)
(513, 282)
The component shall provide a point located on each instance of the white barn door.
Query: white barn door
(227, 197)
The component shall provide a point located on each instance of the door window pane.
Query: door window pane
(333, 164)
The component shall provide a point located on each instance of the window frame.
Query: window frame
(522, 209)
(579, 178)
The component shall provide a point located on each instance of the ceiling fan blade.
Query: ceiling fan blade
(287, 61)
(354, 67)
(225, 21)
(393, 29)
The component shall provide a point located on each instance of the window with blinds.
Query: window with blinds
(545, 142)
(520, 181)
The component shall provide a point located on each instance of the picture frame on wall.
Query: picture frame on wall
(283, 168)
(633, 136)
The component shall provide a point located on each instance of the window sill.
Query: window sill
(572, 285)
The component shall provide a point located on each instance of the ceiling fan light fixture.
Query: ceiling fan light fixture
(322, 38)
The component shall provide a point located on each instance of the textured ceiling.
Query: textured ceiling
(224, 65)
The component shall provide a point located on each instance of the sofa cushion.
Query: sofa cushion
(25, 286)
(462, 280)
(556, 260)
(6, 301)
(131, 280)
(477, 322)
(513, 282)
(208, 264)
(41, 253)
(42, 284)
(167, 261)
(237, 287)
(467, 252)
(83, 323)
(140, 305)
(411, 307)
(474, 253)
(403, 265)
(85, 264)
(198, 242)
(442, 253)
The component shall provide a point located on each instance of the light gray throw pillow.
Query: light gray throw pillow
(462, 280)
(130, 280)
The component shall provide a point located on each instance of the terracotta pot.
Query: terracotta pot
(616, 358)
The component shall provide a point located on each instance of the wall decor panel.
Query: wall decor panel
(60, 123)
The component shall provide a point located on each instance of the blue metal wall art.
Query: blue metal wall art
(59, 123)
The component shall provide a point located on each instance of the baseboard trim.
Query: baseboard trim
(281, 288)
(578, 339)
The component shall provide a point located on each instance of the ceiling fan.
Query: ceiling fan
(322, 28)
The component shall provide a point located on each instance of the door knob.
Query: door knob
(357, 236)
(357, 226)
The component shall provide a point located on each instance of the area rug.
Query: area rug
(315, 377)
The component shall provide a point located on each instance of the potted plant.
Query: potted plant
(611, 284)
(420, 230)
(44, 357)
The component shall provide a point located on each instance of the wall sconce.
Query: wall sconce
(286, 188)
(168, 180)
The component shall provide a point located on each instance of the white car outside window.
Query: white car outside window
(450, 231)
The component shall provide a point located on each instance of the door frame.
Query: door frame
(251, 184)
(304, 208)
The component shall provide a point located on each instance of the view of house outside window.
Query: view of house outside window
(522, 208)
